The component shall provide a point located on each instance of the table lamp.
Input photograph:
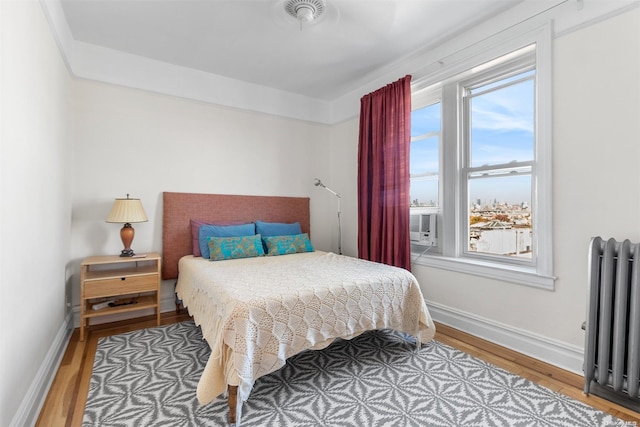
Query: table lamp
(127, 211)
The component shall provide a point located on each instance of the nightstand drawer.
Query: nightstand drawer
(120, 286)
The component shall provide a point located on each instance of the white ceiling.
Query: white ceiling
(255, 41)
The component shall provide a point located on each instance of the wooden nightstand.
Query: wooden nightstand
(127, 280)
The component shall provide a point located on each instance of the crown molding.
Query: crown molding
(92, 62)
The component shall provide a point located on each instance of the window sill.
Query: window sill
(508, 273)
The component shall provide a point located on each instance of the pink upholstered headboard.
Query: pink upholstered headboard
(180, 208)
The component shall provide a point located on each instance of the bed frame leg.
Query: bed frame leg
(232, 400)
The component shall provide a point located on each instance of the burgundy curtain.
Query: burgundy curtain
(383, 175)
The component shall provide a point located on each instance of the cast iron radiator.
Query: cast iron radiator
(612, 342)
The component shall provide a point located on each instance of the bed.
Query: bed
(255, 312)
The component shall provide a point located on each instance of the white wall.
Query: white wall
(596, 149)
(35, 154)
(130, 141)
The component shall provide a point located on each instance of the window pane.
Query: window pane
(424, 157)
(424, 192)
(424, 165)
(425, 120)
(500, 218)
(502, 125)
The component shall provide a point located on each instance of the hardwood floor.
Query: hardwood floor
(65, 402)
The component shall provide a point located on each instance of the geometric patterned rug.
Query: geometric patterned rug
(149, 378)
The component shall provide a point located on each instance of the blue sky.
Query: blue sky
(502, 131)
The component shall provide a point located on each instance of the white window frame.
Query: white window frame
(447, 83)
(499, 72)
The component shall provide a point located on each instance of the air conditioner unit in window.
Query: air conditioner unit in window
(423, 229)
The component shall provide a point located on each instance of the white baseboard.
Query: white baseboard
(560, 354)
(29, 409)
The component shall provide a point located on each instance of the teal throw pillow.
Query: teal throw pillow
(212, 230)
(221, 248)
(282, 245)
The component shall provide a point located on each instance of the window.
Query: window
(498, 117)
(480, 165)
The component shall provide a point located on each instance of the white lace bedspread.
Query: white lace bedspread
(257, 312)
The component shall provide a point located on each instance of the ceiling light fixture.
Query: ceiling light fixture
(305, 10)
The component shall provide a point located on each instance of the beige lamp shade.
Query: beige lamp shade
(127, 210)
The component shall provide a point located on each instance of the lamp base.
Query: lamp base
(126, 234)
(127, 253)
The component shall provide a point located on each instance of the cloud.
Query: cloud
(490, 119)
(508, 109)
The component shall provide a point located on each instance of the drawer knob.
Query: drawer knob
(123, 278)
